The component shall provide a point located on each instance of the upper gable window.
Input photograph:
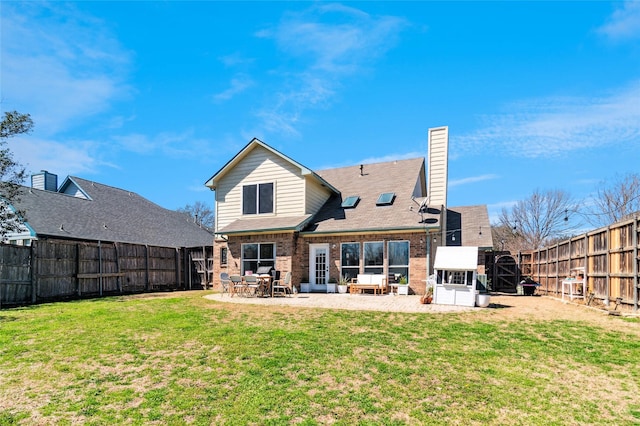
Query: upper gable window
(350, 202)
(386, 199)
(257, 198)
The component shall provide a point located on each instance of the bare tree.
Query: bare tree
(538, 219)
(12, 174)
(200, 213)
(506, 238)
(616, 201)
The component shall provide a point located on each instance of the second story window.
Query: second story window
(257, 198)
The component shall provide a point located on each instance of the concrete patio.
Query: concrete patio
(355, 302)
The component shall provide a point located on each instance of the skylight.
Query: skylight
(386, 199)
(350, 202)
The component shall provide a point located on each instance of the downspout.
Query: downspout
(428, 265)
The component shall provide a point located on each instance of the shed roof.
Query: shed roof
(456, 258)
(270, 224)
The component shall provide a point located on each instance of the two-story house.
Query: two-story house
(385, 218)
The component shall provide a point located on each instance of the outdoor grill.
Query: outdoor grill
(270, 270)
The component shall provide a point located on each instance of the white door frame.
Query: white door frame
(313, 252)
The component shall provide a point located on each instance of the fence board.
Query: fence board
(609, 256)
(61, 269)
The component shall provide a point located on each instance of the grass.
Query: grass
(186, 360)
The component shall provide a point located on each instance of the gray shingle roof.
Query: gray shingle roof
(270, 224)
(112, 214)
(401, 177)
(470, 226)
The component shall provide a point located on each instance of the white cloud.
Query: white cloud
(238, 85)
(331, 42)
(472, 179)
(624, 23)
(551, 127)
(390, 157)
(71, 157)
(171, 144)
(235, 59)
(58, 64)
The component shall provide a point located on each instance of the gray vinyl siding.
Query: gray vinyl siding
(317, 195)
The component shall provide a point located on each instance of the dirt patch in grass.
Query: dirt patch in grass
(505, 307)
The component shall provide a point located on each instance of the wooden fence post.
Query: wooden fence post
(35, 266)
(636, 283)
(177, 266)
(146, 267)
(118, 278)
(78, 269)
(607, 265)
(586, 261)
(100, 268)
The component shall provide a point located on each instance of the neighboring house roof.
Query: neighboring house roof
(401, 177)
(304, 171)
(107, 214)
(470, 226)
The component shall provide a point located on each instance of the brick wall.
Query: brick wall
(292, 254)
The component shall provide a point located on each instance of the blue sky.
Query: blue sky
(154, 97)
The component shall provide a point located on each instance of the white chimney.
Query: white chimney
(438, 169)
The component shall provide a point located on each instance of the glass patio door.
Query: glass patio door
(318, 266)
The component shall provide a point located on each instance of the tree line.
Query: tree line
(546, 217)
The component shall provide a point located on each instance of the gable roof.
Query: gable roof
(212, 183)
(404, 178)
(109, 214)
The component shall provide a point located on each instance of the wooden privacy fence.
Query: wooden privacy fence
(608, 255)
(53, 270)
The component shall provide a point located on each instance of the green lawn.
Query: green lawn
(187, 360)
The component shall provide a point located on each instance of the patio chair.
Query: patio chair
(251, 285)
(283, 286)
(225, 282)
(237, 285)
